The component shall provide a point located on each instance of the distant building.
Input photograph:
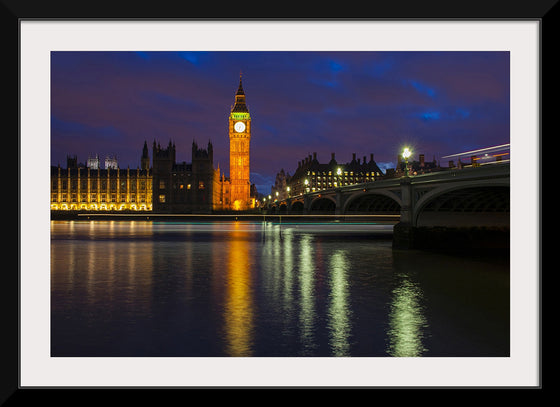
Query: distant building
(280, 188)
(111, 162)
(93, 162)
(311, 175)
(415, 167)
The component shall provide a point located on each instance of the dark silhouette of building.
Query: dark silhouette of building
(183, 187)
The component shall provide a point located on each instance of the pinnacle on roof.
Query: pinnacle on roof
(240, 89)
(240, 105)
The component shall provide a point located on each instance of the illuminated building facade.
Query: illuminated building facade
(81, 188)
(311, 176)
(239, 153)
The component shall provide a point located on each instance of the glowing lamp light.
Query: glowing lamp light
(406, 153)
(338, 171)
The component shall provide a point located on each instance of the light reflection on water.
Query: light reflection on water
(238, 318)
(339, 308)
(407, 322)
(264, 289)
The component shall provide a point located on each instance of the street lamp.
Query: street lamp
(406, 153)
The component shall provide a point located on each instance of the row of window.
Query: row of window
(102, 184)
(334, 184)
(163, 184)
(101, 198)
(102, 206)
(346, 173)
(352, 179)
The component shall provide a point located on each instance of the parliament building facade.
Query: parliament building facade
(167, 186)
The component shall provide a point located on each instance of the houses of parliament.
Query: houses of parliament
(167, 186)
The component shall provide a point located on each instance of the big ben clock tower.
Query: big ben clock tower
(239, 141)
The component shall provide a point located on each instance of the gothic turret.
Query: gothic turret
(145, 160)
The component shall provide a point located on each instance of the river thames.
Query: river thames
(269, 289)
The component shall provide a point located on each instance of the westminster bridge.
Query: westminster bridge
(472, 197)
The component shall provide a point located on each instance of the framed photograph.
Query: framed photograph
(140, 133)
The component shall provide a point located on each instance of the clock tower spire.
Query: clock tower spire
(239, 149)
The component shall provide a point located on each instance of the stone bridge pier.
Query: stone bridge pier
(468, 210)
(403, 232)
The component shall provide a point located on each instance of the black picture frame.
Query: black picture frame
(14, 11)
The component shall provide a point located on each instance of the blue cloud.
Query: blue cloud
(143, 55)
(427, 116)
(272, 129)
(448, 114)
(462, 113)
(192, 57)
(422, 88)
(326, 74)
(335, 66)
(379, 69)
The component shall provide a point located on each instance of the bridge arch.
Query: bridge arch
(465, 205)
(369, 202)
(297, 206)
(324, 204)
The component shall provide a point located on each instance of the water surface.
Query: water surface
(143, 288)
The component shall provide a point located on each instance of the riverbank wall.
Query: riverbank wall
(221, 216)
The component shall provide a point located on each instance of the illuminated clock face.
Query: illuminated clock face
(239, 127)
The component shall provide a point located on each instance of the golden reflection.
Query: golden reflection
(239, 312)
(140, 267)
(406, 321)
(339, 309)
(91, 267)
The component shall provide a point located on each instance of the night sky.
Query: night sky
(436, 103)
